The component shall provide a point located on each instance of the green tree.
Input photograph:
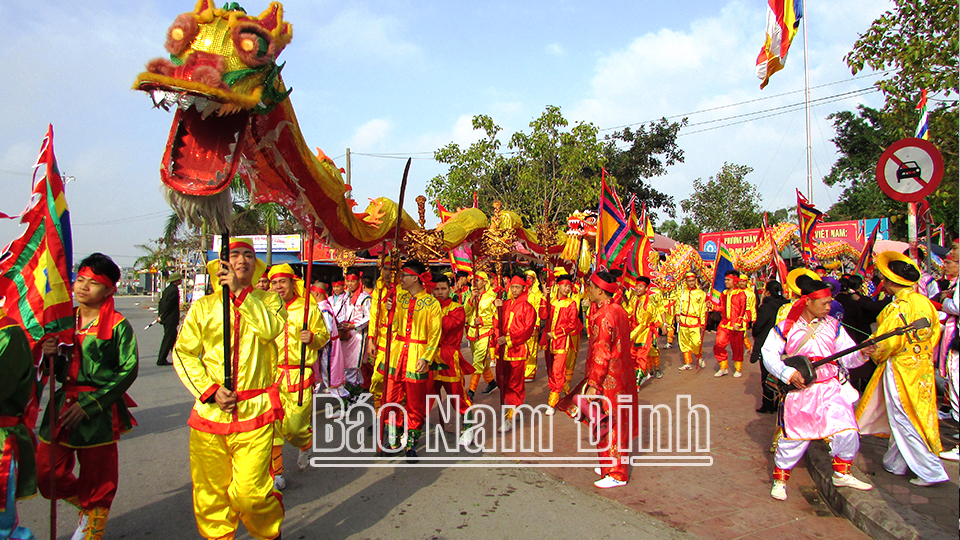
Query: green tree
(725, 202)
(861, 139)
(551, 167)
(918, 40)
(648, 152)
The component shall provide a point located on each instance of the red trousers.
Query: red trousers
(623, 427)
(416, 394)
(556, 370)
(453, 388)
(511, 381)
(725, 337)
(99, 472)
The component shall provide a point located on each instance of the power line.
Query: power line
(121, 220)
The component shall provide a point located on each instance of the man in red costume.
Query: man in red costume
(414, 350)
(562, 324)
(733, 323)
(609, 374)
(513, 332)
(450, 378)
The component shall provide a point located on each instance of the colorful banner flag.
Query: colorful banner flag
(642, 260)
(724, 264)
(939, 235)
(461, 257)
(864, 266)
(614, 232)
(646, 227)
(923, 125)
(35, 269)
(783, 20)
(808, 217)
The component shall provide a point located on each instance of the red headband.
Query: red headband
(797, 308)
(107, 311)
(608, 287)
(517, 280)
(240, 244)
(425, 278)
(291, 277)
(338, 282)
(351, 277)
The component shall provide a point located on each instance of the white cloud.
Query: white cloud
(554, 49)
(371, 134)
(356, 34)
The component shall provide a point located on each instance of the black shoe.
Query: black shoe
(490, 388)
(412, 455)
(470, 394)
(164, 363)
(766, 410)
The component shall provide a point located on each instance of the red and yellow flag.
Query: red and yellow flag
(35, 268)
(783, 20)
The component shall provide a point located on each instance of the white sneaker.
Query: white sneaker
(922, 483)
(702, 363)
(598, 471)
(506, 426)
(466, 438)
(80, 533)
(668, 346)
(279, 483)
(951, 455)
(779, 490)
(303, 459)
(608, 482)
(685, 367)
(550, 411)
(850, 481)
(721, 372)
(737, 374)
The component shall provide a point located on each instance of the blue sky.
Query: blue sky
(406, 78)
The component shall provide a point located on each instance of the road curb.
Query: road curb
(881, 517)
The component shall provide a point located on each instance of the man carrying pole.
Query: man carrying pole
(232, 429)
(295, 427)
(518, 320)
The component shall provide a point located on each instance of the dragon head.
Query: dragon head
(222, 69)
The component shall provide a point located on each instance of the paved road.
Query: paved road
(154, 496)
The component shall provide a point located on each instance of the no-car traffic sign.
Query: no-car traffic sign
(910, 169)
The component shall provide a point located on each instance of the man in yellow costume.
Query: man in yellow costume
(231, 433)
(644, 312)
(668, 312)
(901, 399)
(480, 318)
(691, 319)
(377, 332)
(295, 427)
(539, 302)
(751, 295)
(414, 350)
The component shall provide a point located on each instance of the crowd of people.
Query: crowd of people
(401, 340)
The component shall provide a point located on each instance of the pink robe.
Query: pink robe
(819, 410)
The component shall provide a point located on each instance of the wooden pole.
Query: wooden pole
(227, 357)
(307, 300)
(54, 413)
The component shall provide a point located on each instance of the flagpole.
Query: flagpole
(806, 100)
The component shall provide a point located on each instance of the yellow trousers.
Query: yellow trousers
(479, 350)
(530, 371)
(690, 341)
(376, 381)
(296, 425)
(232, 483)
(572, 357)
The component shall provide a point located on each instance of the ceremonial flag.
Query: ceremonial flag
(460, 256)
(724, 264)
(808, 219)
(783, 20)
(940, 235)
(613, 231)
(642, 259)
(923, 125)
(35, 268)
(646, 226)
(864, 266)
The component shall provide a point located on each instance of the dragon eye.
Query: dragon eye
(181, 33)
(253, 45)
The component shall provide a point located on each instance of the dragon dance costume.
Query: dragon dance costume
(230, 453)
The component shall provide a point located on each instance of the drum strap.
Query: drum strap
(811, 330)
